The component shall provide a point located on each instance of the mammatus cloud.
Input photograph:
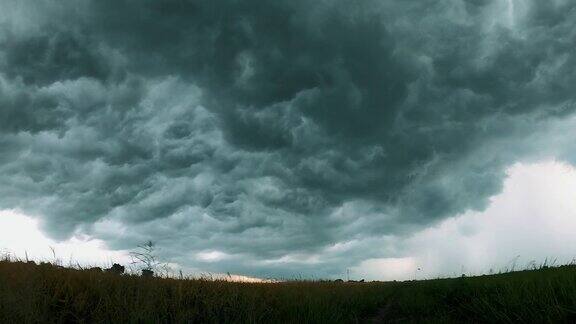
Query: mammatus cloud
(271, 134)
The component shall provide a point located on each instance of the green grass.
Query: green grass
(48, 294)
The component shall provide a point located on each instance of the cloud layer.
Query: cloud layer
(270, 134)
(531, 222)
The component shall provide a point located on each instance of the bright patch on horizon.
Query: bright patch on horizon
(211, 256)
(21, 236)
(532, 220)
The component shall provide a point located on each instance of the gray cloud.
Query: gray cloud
(269, 130)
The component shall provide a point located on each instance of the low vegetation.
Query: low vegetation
(45, 293)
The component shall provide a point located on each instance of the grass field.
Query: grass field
(45, 293)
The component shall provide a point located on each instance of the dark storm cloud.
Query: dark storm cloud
(272, 131)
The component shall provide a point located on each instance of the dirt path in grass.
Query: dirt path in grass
(382, 315)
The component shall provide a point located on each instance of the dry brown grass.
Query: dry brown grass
(49, 294)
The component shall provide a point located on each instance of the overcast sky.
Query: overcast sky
(291, 138)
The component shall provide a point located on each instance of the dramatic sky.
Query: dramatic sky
(290, 137)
